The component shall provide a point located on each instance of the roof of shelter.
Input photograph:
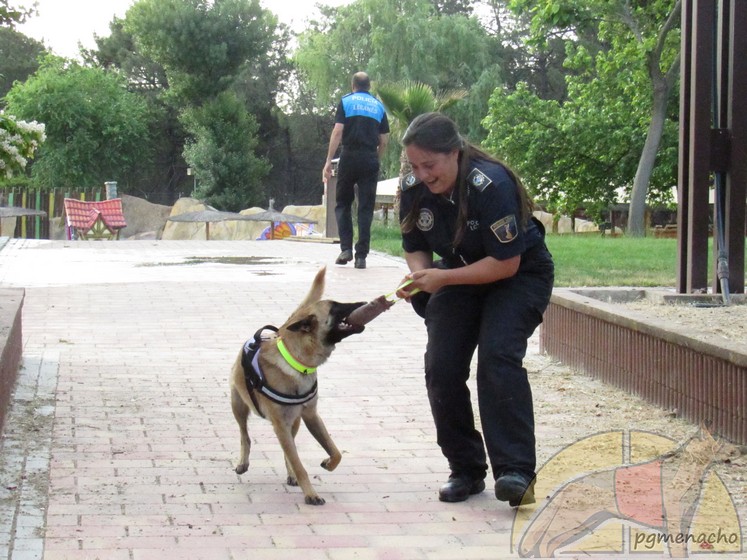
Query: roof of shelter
(83, 214)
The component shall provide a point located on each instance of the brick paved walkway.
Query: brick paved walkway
(122, 413)
(120, 444)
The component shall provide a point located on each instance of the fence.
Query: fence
(47, 200)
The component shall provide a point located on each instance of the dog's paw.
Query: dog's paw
(330, 463)
(242, 468)
(291, 481)
(315, 500)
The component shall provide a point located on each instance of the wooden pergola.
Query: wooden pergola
(713, 145)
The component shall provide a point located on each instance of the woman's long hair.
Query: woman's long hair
(435, 132)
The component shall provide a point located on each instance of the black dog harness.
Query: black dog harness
(255, 379)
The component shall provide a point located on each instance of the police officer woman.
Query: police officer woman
(487, 291)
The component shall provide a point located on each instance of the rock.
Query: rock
(57, 228)
(145, 220)
(546, 219)
(317, 213)
(184, 230)
(244, 230)
(231, 229)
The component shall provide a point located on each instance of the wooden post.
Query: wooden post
(713, 137)
(736, 122)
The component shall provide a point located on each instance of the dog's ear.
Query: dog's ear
(316, 290)
(306, 325)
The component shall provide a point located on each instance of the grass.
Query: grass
(386, 238)
(583, 260)
(587, 260)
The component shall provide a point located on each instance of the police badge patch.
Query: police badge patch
(478, 179)
(505, 229)
(408, 181)
(425, 220)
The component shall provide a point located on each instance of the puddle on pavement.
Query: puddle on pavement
(245, 261)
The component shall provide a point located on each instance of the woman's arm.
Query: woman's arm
(419, 260)
(484, 271)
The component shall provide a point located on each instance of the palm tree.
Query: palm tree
(406, 100)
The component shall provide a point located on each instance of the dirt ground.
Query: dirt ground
(571, 406)
(728, 322)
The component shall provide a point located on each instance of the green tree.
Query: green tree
(18, 57)
(453, 7)
(207, 49)
(435, 44)
(10, 16)
(628, 81)
(229, 175)
(118, 51)
(19, 140)
(96, 130)
(406, 100)
(394, 41)
(567, 156)
(164, 177)
(200, 44)
(523, 59)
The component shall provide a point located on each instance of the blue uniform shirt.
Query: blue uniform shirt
(494, 225)
(364, 118)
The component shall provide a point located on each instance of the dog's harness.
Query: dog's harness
(255, 379)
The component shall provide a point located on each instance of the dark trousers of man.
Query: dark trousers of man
(361, 168)
(499, 319)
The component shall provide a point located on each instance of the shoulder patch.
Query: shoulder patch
(426, 219)
(505, 229)
(478, 179)
(409, 181)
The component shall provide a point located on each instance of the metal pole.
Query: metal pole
(331, 230)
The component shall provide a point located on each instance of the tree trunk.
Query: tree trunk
(637, 210)
(662, 86)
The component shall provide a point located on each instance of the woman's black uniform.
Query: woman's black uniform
(497, 319)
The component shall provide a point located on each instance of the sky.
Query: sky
(62, 24)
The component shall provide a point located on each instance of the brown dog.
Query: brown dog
(278, 381)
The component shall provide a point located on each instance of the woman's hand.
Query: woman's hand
(426, 280)
(417, 262)
(430, 280)
(405, 289)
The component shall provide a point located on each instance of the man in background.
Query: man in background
(362, 128)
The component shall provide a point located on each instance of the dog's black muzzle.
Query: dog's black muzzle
(340, 327)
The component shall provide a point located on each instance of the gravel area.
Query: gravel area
(571, 406)
(726, 321)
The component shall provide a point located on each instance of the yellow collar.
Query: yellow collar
(295, 364)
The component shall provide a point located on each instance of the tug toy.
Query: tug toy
(368, 312)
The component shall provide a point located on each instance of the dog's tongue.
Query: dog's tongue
(368, 312)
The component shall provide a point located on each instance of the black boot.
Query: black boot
(459, 488)
(515, 488)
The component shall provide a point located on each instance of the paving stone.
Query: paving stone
(120, 443)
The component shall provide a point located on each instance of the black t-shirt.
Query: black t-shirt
(493, 227)
(364, 118)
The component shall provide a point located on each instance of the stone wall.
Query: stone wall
(11, 344)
